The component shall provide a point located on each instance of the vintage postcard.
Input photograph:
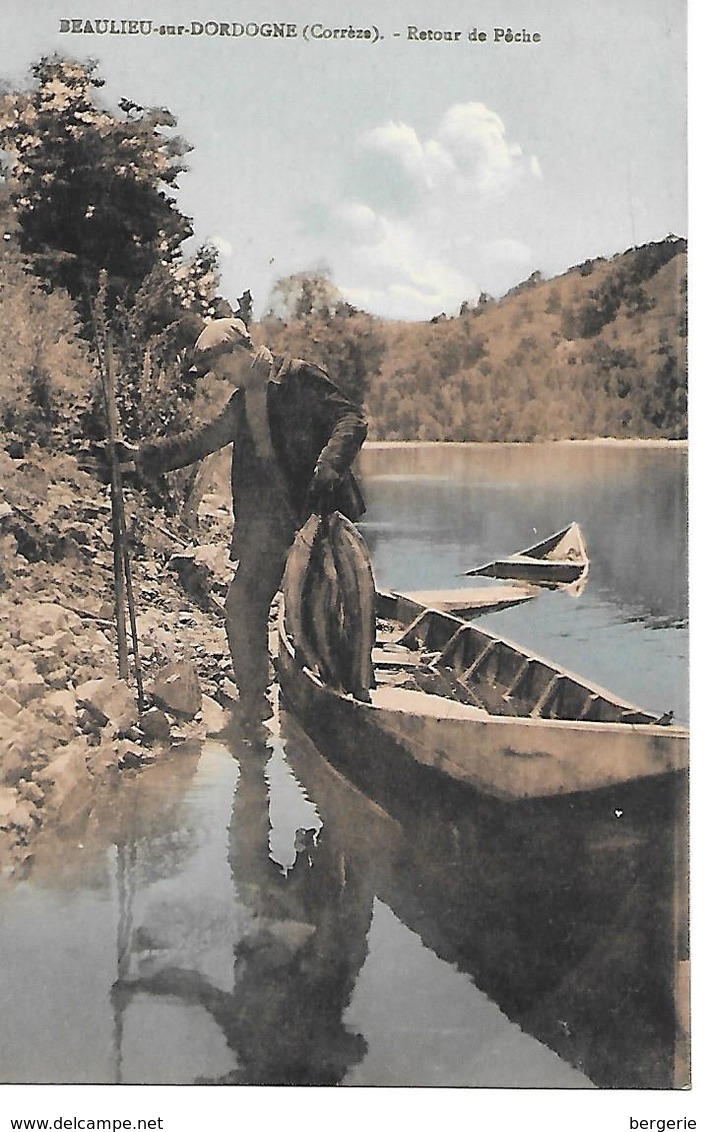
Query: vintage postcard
(344, 718)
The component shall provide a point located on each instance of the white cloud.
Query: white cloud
(427, 163)
(427, 219)
(401, 274)
(470, 151)
(361, 220)
(475, 137)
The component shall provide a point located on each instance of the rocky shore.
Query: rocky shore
(69, 726)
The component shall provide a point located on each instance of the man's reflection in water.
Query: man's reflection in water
(296, 966)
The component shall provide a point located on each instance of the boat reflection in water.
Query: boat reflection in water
(565, 913)
(564, 918)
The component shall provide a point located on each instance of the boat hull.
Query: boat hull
(539, 572)
(401, 733)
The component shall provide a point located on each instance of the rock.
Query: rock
(58, 678)
(215, 719)
(195, 568)
(98, 638)
(131, 760)
(60, 704)
(44, 664)
(155, 726)
(17, 812)
(15, 756)
(129, 757)
(8, 706)
(8, 800)
(56, 644)
(28, 685)
(229, 690)
(31, 791)
(24, 817)
(66, 781)
(82, 674)
(7, 732)
(212, 505)
(177, 689)
(112, 698)
(132, 733)
(41, 618)
(91, 721)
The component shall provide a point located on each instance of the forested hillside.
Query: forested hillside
(598, 351)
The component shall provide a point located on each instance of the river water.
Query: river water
(240, 913)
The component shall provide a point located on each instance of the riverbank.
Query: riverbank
(593, 442)
(68, 725)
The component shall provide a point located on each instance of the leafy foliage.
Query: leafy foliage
(90, 186)
(322, 328)
(305, 294)
(45, 370)
(89, 195)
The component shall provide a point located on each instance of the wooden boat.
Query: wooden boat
(535, 909)
(561, 559)
(475, 710)
(470, 601)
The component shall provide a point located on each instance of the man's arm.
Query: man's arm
(172, 452)
(342, 422)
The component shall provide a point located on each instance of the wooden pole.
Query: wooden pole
(120, 508)
(116, 512)
(122, 574)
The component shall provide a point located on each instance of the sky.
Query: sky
(418, 172)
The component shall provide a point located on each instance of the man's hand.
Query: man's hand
(323, 482)
(97, 461)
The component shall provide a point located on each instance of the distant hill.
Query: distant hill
(598, 351)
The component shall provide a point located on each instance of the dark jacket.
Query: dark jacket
(310, 421)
